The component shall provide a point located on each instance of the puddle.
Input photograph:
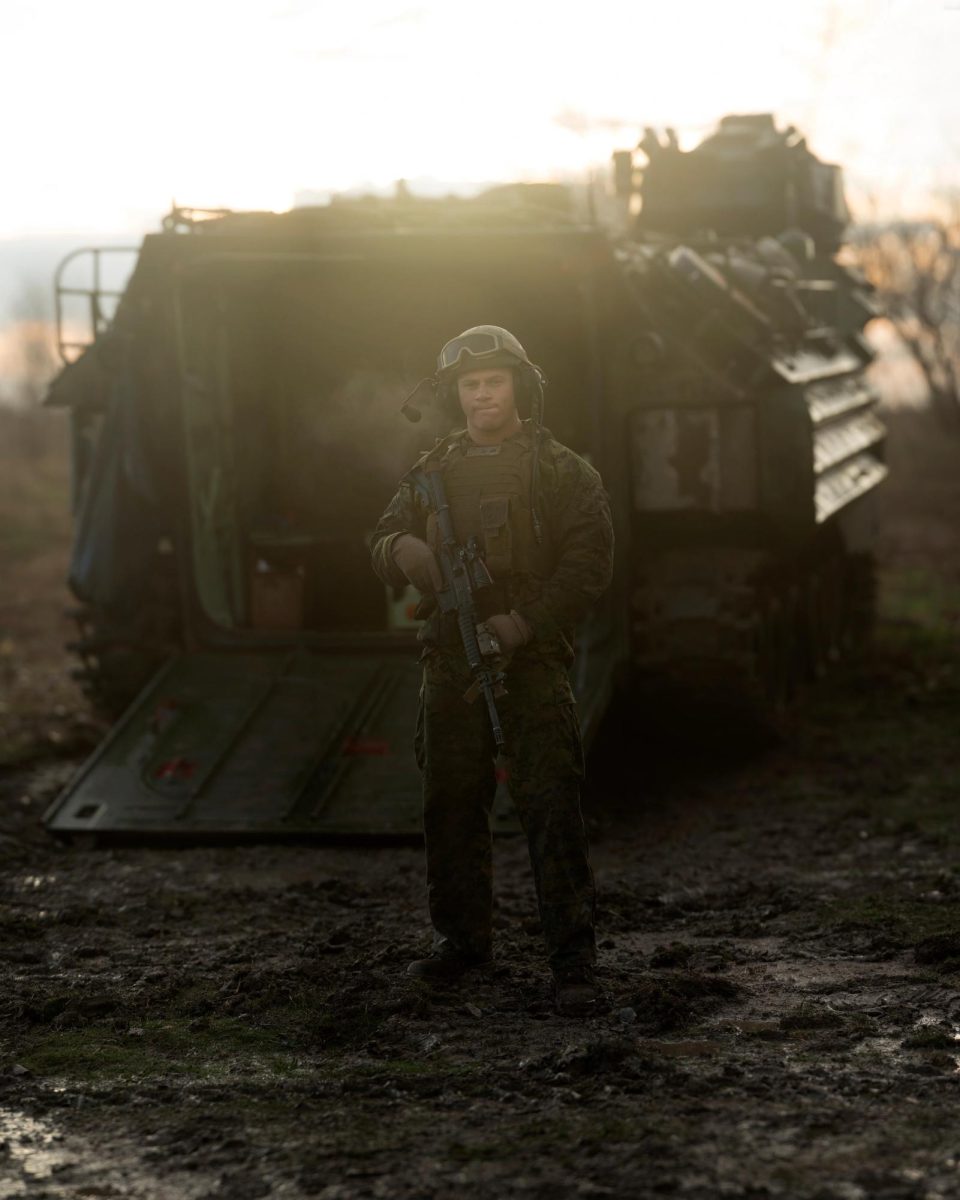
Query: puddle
(684, 1049)
(764, 1028)
(33, 1150)
(38, 1160)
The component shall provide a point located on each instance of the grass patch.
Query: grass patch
(903, 920)
(206, 1051)
(922, 597)
(882, 733)
(930, 1037)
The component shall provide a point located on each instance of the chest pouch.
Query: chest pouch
(497, 534)
(488, 489)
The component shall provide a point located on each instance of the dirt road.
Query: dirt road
(780, 943)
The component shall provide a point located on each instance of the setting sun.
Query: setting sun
(246, 105)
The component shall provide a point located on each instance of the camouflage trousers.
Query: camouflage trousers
(544, 758)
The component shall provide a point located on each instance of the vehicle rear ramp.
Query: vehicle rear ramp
(260, 744)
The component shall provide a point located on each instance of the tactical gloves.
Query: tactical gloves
(510, 629)
(416, 560)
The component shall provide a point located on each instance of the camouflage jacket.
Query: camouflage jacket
(577, 528)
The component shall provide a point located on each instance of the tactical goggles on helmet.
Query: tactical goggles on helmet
(476, 345)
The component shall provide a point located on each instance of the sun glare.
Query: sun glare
(243, 103)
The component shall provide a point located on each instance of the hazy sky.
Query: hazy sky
(113, 107)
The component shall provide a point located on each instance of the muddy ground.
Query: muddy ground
(780, 945)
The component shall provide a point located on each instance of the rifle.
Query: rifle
(465, 573)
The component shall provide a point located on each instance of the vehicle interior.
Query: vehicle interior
(294, 369)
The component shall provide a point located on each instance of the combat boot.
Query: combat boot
(446, 965)
(575, 991)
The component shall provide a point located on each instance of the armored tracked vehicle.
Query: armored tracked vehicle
(237, 434)
(755, 446)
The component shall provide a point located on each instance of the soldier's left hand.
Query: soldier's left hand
(511, 630)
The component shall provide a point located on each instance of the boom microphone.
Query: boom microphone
(408, 408)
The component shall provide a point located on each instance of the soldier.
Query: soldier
(542, 519)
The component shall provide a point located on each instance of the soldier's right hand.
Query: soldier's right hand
(417, 561)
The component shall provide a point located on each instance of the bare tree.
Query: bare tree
(29, 364)
(915, 267)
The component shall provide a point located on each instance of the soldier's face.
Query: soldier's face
(488, 402)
